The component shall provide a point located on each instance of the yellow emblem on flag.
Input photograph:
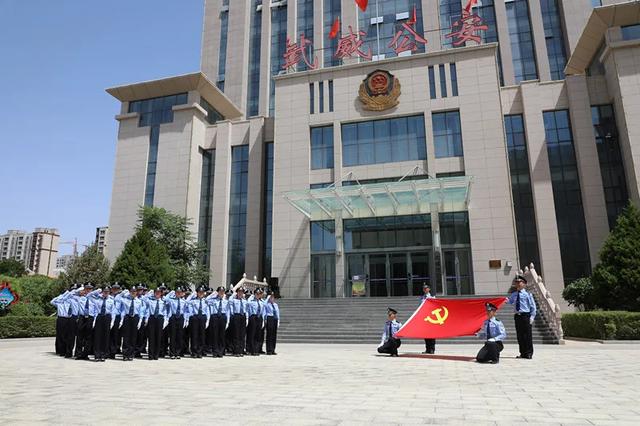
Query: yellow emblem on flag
(440, 317)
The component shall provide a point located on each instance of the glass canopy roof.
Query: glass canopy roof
(404, 197)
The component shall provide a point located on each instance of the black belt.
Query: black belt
(523, 313)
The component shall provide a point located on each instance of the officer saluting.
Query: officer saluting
(115, 338)
(239, 319)
(176, 308)
(525, 314)
(102, 306)
(272, 313)
(156, 319)
(389, 344)
(430, 344)
(198, 321)
(219, 321)
(255, 310)
(84, 336)
(493, 332)
(63, 313)
(131, 311)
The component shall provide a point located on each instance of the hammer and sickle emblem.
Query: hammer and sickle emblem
(440, 317)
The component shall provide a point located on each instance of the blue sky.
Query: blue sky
(57, 127)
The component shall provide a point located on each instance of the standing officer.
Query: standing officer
(131, 310)
(255, 311)
(156, 319)
(389, 344)
(219, 321)
(85, 321)
(164, 338)
(493, 332)
(229, 333)
(62, 315)
(177, 311)
(272, 313)
(115, 337)
(102, 306)
(198, 322)
(430, 344)
(239, 320)
(525, 314)
(71, 324)
(262, 313)
(141, 338)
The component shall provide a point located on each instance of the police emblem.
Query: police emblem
(379, 91)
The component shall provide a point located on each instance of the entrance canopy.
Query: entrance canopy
(404, 197)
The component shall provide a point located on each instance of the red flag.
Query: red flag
(335, 28)
(442, 318)
(470, 5)
(362, 4)
(414, 17)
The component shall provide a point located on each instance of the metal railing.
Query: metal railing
(250, 285)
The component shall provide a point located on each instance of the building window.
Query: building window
(554, 38)
(447, 134)
(443, 81)
(268, 210)
(323, 236)
(320, 185)
(454, 79)
(522, 48)
(387, 232)
(278, 47)
(574, 247)
(152, 163)
(312, 98)
(206, 202)
(596, 3)
(331, 12)
(330, 95)
(305, 26)
(238, 212)
(631, 32)
(384, 141)
(321, 96)
(322, 147)
(157, 110)
(382, 28)
(255, 39)
(486, 10)
(450, 12)
(454, 228)
(224, 31)
(213, 116)
(449, 174)
(383, 180)
(526, 228)
(611, 164)
(432, 82)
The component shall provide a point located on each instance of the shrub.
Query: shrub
(15, 326)
(606, 325)
(580, 294)
(24, 309)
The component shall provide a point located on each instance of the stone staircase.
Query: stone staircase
(361, 320)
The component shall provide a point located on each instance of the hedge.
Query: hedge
(605, 325)
(14, 326)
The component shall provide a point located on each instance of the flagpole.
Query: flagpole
(377, 31)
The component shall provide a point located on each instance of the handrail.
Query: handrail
(546, 304)
(250, 284)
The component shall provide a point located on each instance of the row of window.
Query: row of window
(442, 81)
(325, 100)
(154, 111)
(387, 140)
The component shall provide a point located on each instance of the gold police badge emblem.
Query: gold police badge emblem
(379, 91)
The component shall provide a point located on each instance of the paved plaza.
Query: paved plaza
(578, 383)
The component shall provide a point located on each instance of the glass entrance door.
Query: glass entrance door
(457, 266)
(356, 275)
(399, 274)
(420, 272)
(378, 275)
(323, 273)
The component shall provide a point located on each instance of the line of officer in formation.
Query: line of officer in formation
(109, 321)
(492, 331)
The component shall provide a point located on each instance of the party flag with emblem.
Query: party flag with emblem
(335, 28)
(362, 4)
(442, 318)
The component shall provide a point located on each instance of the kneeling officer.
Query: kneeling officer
(494, 333)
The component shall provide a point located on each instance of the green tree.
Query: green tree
(142, 260)
(12, 268)
(39, 290)
(91, 267)
(616, 279)
(173, 232)
(580, 294)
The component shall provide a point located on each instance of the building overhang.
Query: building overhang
(404, 197)
(178, 84)
(602, 18)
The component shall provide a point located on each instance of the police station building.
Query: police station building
(340, 152)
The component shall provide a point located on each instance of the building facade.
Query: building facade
(38, 250)
(101, 238)
(405, 148)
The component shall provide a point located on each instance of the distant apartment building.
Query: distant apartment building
(101, 238)
(37, 250)
(64, 261)
(16, 245)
